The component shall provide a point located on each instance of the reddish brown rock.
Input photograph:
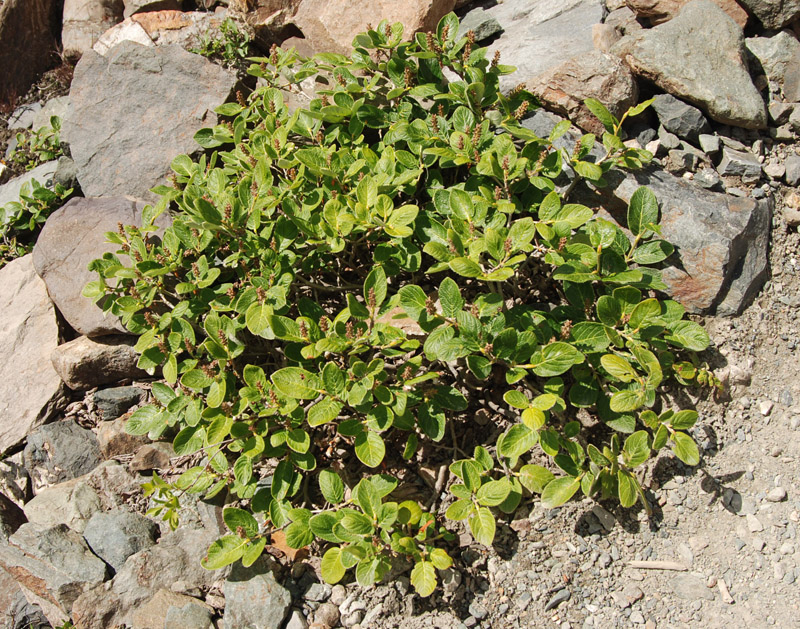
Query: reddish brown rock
(85, 363)
(28, 34)
(658, 11)
(592, 75)
(331, 25)
(114, 441)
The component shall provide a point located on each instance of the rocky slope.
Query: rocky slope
(722, 547)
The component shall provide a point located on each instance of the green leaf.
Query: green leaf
(689, 335)
(685, 448)
(482, 526)
(465, 267)
(618, 367)
(555, 359)
(450, 298)
(535, 477)
(296, 383)
(257, 318)
(370, 448)
(627, 400)
(298, 535)
(494, 492)
(517, 441)
(459, 510)
(331, 486)
(376, 282)
(239, 518)
(683, 420)
(653, 252)
(331, 567)
(602, 114)
(559, 491)
(642, 211)
(413, 300)
(637, 448)
(627, 487)
(223, 552)
(423, 578)
(609, 310)
(324, 411)
(516, 399)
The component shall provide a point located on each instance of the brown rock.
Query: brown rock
(604, 36)
(85, 363)
(114, 441)
(331, 25)
(152, 456)
(136, 6)
(86, 20)
(28, 34)
(153, 613)
(30, 390)
(72, 237)
(591, 75)
(658, 11)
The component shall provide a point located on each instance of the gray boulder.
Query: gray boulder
(166, 608)
(134, 110)
(30, 390)
(72, 503)
(53, 566)
(538, 36)
(72, 237)
(721, 243)
(253, 598)
(677, 117)
(59, 452)
(113, 402)
(85, 363)
(739, 164)
(481, 23)
(117, 535)
(774, 14)
(711, 69)
(175, 558)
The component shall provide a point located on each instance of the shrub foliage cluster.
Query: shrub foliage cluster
(346, 285)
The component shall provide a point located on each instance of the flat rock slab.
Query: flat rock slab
(72, 237)
(30, 390)
(699, 56)
(538, 36)
(85, 363)
(134, 110)
(53, 565)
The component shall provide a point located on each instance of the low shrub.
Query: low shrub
(346, 288)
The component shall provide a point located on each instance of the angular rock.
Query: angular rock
(23, 116)
(779, 112)
(254, 599)
(175, 558)
(721, 241)
(604, 36)
(140, 6)
(155, 613)
(30, 390)
(331, 25)
(72, 237)
(677, 117)
(53, 566)
(114, 485)
(709, 143)
(85, 363)
(16, 606)
(151, 456)
(480, 23)
(15, 482)
(793, 169)
(739, 164)
(542, 35)
(43, 174)
(113, 402)
(86, 20)
(775, 54)
(711, 71)
(659, 11)
(127, 30)
(624, 20)
(114, 441)
(54, 107)
(186, 29)
(773, 14)
(125, 129)
(271, 21)
(72, 503)
(28, 30)
(59, 452)
(594, 74)
(118, 534)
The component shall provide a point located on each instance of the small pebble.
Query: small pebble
(776, 494)
(557, 598)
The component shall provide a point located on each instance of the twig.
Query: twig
(658, 565)
(441, 477)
